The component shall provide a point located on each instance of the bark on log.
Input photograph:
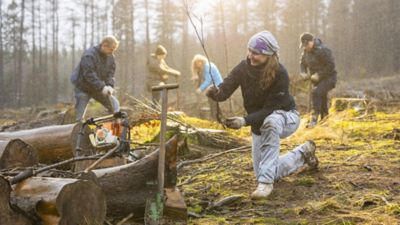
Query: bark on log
(16, 153)
(53, 143)
(61, 201)
(127, 187)
(7, 214)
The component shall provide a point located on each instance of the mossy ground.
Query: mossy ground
(358, 181)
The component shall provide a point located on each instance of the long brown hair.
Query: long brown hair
(270, 71)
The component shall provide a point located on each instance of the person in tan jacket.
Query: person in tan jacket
(159, 72)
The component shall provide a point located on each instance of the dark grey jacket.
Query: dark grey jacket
(94, 71)
(319, 60)
(258, 102)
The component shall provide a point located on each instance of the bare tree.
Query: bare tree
(55, 29)
(18, 84)
(146, 8)
(92, 18)
(1, 56)
(74, 24)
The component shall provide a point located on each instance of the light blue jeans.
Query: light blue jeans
(268, 165)
(82, 99)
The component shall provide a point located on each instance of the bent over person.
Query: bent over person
(271, 112)
(159, 72)
(205, 74)
(93, 77)
(318, 65)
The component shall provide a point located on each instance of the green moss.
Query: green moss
(195, 209)
(306, 181)
(393, 209)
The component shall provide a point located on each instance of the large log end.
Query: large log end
(7, 215)
(17, 153)
(61, 201)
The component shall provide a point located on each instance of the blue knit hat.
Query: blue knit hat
(263, 43)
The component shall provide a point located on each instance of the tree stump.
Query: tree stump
(7, 214)
(61, 201)
(16, 153)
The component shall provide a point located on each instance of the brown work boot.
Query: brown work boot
(262, 191)
(309, 154)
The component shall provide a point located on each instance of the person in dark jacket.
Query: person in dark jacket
(318, 65)
(159, 72)
(271, 112)
(93, 77)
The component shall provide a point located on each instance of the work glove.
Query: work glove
(235, 122)
(315, 77)
(198, 91)
(304, 76)
(211, 92)
(107, 90)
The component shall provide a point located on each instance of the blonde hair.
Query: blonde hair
(110, 40)
(195, 70)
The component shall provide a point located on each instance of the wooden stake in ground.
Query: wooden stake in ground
(7, 214)
(16, 153)
(61, 201)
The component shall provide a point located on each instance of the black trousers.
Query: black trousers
(320, 97)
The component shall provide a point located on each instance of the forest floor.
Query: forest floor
(358, 181)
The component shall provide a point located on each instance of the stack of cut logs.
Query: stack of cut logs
(82, 198)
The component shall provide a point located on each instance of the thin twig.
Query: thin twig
(125, 219)
(188, 162)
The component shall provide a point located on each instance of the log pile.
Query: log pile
(85, 199)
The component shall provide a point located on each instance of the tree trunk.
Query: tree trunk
(61, 201)
(127, 187)
(85, 12)
(20, 55)
(55, 52)
(146, 8)
(1, 57)
(92, 15)
(16, 153)
(53, 143)
(7, 214)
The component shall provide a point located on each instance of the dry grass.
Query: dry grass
(358, 180)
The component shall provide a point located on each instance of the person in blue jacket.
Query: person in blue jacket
(93, 77)
(206, 74)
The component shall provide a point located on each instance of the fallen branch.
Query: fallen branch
(188, 162)
(31, 172)
(225, 201)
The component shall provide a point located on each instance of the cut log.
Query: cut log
(16, 153)
(7, 214)
(127, 187)
(61, 201)
(53, 143)
(341, 104)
